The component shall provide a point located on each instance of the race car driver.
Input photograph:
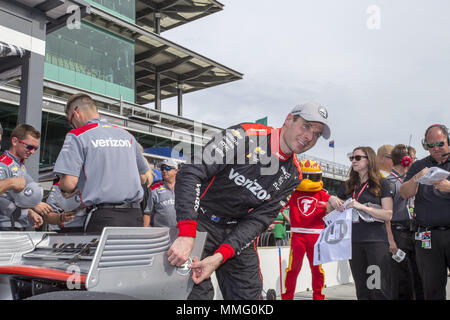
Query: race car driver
(102, 162)
(234, 192)
(307, 207)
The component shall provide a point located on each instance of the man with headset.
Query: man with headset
(432, 209)
(405, 280)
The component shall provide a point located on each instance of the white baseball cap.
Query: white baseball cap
(171, 163)
(30, 196)
(315, 112)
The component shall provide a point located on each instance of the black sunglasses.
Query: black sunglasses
(357, 158)
(437, 144)
(314, 177)
(166, 167)
(29, 147)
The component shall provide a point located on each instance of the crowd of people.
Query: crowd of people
(246, 176)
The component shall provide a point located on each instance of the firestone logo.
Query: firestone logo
(306, 205)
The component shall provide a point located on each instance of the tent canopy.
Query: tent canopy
(167, 152)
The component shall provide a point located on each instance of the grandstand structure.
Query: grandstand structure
(118, 55)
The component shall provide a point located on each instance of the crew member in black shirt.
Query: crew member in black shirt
(405, 279)
(432, 208)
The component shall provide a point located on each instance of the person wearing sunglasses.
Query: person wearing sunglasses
(102, 163)
(369, 239)
(307, 207)
(432, 212)
(24, 143)
(161, 204)
(233, 190)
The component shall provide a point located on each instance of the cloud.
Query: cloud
(380, 86)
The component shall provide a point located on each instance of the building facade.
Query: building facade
(117, 55)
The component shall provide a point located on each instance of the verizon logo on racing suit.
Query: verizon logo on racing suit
(251, 185)
(111, 143)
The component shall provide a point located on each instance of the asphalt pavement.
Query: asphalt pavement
(341, 292)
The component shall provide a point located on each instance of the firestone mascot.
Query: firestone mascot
(307, 207)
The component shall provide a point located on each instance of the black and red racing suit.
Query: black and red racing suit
(234, 191)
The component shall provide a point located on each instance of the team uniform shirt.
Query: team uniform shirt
(432, 207)
(368, 231)
(11, 167)
(400, 210)
(107, 161)
(161, 206)
(54, 199)
(306, 213)
(242, 177)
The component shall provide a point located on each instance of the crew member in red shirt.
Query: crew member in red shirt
(307, 208)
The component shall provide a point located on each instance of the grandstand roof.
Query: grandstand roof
(175, 64)
(173, 13)
(56, 11)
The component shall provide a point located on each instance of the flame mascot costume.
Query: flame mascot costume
(307, 207)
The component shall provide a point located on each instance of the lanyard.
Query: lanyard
(354, 192)
(398, 177)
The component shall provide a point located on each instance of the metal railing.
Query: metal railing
(330, 169)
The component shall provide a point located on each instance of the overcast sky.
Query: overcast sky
(380, 79)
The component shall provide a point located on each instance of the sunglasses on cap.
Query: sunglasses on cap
(29, 147)
(357, 158)
(437, 144)
(166, 167)
(314, 177)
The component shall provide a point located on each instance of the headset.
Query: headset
(402, 155)
(442, 127)
(406, 159)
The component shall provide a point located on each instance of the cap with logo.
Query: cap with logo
(314, 112)
(170, 162)
(30, 196)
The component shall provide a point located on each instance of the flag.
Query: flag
(262, 121)
(331, 144)
(335, 241)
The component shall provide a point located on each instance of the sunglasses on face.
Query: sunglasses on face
(166, 167)
(29, 147)
(437, 144)
(314, 177)
(357, 158)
